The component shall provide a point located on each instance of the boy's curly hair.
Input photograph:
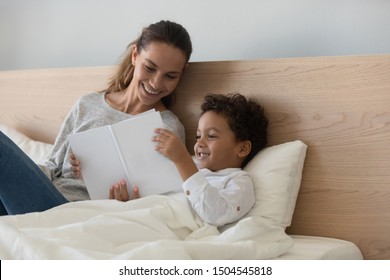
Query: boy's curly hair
(245, 117)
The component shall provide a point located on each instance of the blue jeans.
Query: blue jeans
(24, 188)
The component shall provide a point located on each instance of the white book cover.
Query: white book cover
(125, 150)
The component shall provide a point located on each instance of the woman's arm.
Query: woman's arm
(56, 159)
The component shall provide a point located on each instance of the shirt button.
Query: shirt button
(238, 208)
(187, 192)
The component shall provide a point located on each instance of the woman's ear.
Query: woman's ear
(244, 148)
(134, 55)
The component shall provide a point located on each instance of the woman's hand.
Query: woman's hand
(76, 170)
(119, 192)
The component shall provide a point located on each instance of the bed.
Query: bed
(322, 185)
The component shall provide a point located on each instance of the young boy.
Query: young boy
(231, 131)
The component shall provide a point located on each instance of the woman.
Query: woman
(145, 79)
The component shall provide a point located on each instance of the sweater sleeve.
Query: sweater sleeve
(171, 122)
(57, 159)
(223, 202)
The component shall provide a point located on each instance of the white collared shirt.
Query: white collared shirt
(220, 197)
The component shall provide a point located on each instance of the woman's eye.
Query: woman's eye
(148, 68)
(211, 136)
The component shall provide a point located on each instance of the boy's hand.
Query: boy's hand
(169, 145)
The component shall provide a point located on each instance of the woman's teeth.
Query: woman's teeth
(150, 91)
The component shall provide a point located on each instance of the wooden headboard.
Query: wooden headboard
(339, 106)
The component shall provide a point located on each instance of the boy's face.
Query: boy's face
(216, 147)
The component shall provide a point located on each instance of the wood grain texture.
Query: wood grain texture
(37, 101)
(339, 106)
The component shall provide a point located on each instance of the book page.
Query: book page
(99, 161)
(152, 172)
(125, 150)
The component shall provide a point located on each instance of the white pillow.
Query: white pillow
(36, 150)
(277, 174)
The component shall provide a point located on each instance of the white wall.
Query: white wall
(67, 33)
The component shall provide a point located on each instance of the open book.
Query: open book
(125, 150)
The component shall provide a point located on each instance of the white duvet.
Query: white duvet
(154, 227)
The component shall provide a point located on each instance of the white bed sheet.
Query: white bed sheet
(321, 248)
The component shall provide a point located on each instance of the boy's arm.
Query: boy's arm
(226, 200)
(170, 146)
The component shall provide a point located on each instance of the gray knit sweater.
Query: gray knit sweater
(90, 111)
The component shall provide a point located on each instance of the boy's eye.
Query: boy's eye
(209, 136)
(171, 77)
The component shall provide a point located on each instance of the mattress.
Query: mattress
(321, 248)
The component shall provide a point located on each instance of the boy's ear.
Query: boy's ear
(244, 148)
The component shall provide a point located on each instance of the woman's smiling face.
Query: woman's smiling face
(158, 69)
(216, 147)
